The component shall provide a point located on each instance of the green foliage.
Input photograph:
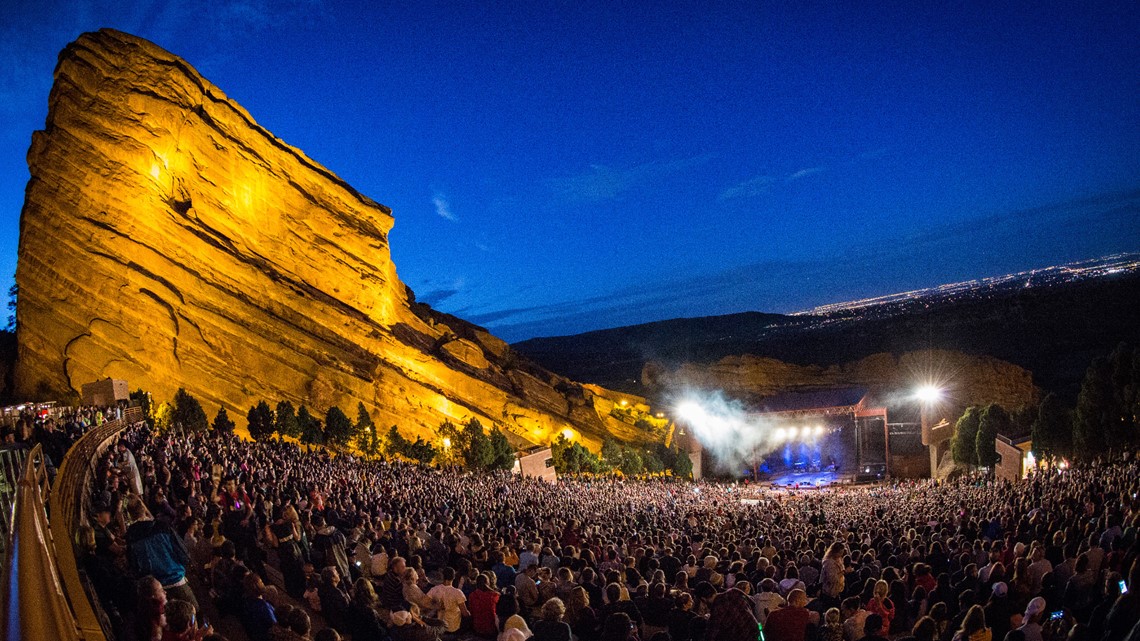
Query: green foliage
(142, 398)
(502, 454)
(223, 423)
(1094, 414)
(188, 413)
(1108, 406)
(632, 463)
(285, 420)
(994, 420)
(448, 451)
(163, 416)
(652, 462)
(612, 453)
(338, 429)
(475, 446)
(260, 420)
(573, 458)
(395, 443)
(1052, 430)
(421, 451)
(368, 441)
(682, 464)
(311, 432)
(963, 445)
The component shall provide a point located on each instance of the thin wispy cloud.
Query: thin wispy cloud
(748, 188)
(763, 183)
(443, 207)
(804, 173)
(601, 182)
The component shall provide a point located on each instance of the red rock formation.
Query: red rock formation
(169, 240)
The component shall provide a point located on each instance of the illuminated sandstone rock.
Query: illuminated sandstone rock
(169, 240)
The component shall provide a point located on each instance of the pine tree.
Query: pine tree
(993, 421)
(1093, 419)
(285, 420)
(367, 439)
(222, 422)
(260, 419)
(612, 453)
(502, 454)
(338, 429)
(963, 445)
(1053, 430)
(311, 432)
(188, 413)
(476, 446)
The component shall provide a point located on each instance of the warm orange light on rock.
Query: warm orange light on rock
(227, 262)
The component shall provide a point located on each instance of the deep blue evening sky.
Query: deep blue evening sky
(555, 167)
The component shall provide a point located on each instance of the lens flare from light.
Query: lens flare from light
(928, 394)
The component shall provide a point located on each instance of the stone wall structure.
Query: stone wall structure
(169, 240)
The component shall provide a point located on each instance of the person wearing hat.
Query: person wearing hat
(998, 610)
(1031, 622)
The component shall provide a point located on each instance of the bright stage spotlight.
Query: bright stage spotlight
(781, 434)
(928, 394)
(690, 411)
(819, 430)
(792, 433)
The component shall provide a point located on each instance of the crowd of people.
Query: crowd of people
(280, 539)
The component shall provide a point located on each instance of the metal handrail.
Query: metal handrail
(35, 606)
(69, 509)
(45, 595)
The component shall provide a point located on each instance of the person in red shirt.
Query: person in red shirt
(789, 623)
(482, 604)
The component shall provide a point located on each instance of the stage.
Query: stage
(805, 480)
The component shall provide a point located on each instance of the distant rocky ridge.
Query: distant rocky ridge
(1054, 332)
(169, 240)
(890, 380)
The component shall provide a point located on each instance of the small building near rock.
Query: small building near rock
(1015, 457)
(108, 391)
(536, 462)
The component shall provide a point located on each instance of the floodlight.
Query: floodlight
(781, 434)
(819, 430)
(928, 394)
(690, 411)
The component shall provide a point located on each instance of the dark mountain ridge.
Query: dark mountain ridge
(1053, 330)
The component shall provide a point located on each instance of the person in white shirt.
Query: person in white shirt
(451, 601)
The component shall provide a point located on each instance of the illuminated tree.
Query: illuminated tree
(223, 423)
(994, 420)
(476, 446)
(572, 458)
(368, 441)
(963, 447)
(631, 463)
(502, 454)
(612, 453)
(163, 416)
(682, 464)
